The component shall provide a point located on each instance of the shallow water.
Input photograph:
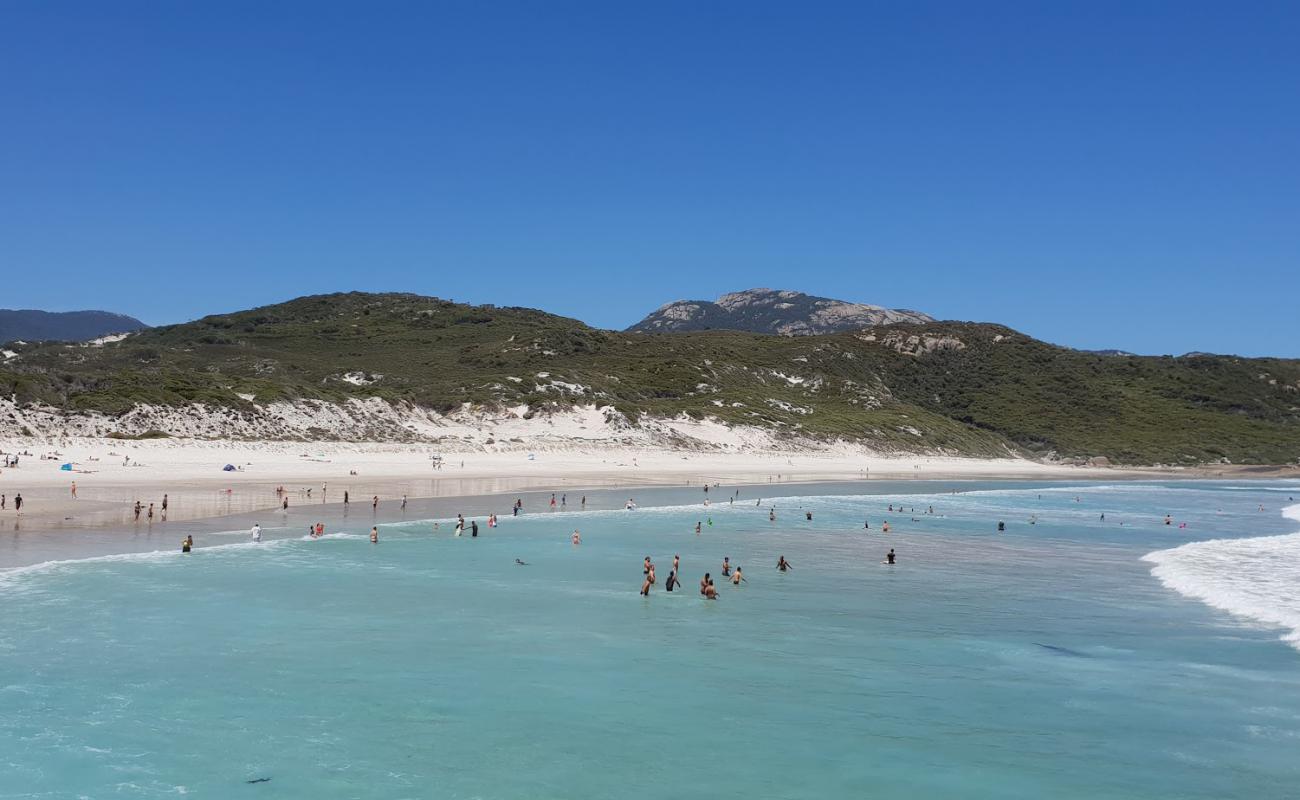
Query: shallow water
(1046, 661)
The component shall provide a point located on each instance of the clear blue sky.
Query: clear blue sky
(1095, 174)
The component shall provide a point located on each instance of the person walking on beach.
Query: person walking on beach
(18, 503)
(138, 509)
(164, 507)
(2, 502)
(345, 497)
(150, 516)
(74, 490)
(403, 502)
(584, 502)
(374, 504)
(285, 506)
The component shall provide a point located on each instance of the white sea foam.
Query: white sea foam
(1256, 578)
(12, 576)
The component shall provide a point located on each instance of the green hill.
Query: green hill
(971, 388)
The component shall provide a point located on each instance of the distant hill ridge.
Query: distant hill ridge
(772, 311)
(401, 367)
(29, 325)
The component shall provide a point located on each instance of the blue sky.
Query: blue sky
(1095, 174)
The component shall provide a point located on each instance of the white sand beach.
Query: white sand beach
(111, 475)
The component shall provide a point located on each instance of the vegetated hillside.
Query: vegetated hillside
(771, 311)
(961, 387)
(62, 326)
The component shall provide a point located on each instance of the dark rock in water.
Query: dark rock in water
(1063, 651)
(259, 780)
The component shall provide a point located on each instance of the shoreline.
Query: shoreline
(111, 475)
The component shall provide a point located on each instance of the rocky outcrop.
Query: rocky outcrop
(772, 311)
(915, 345)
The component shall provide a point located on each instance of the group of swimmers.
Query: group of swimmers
(708, 589)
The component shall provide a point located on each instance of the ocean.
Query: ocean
(1067, 656)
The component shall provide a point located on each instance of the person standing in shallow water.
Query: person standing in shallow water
(374, 535)
(707, 588)
(782, 564)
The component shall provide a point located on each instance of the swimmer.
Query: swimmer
(726, 566)
(521, 563)
(771, 515)
(885, 527)
(1002, 526)
(697, 528)
(320, 529)
(1169, 520)
(736, 577)
(256, 532)
(808, 514)
(576, 538)
(185, 545)
(889, 557)
(783, 565)
(374, 535)
(866, 525)
(677, 563)
(672, 581)
(707, 588)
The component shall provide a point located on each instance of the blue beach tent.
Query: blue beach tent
(66, 467)
(228, 468)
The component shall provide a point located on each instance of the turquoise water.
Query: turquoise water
(1044, 662)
